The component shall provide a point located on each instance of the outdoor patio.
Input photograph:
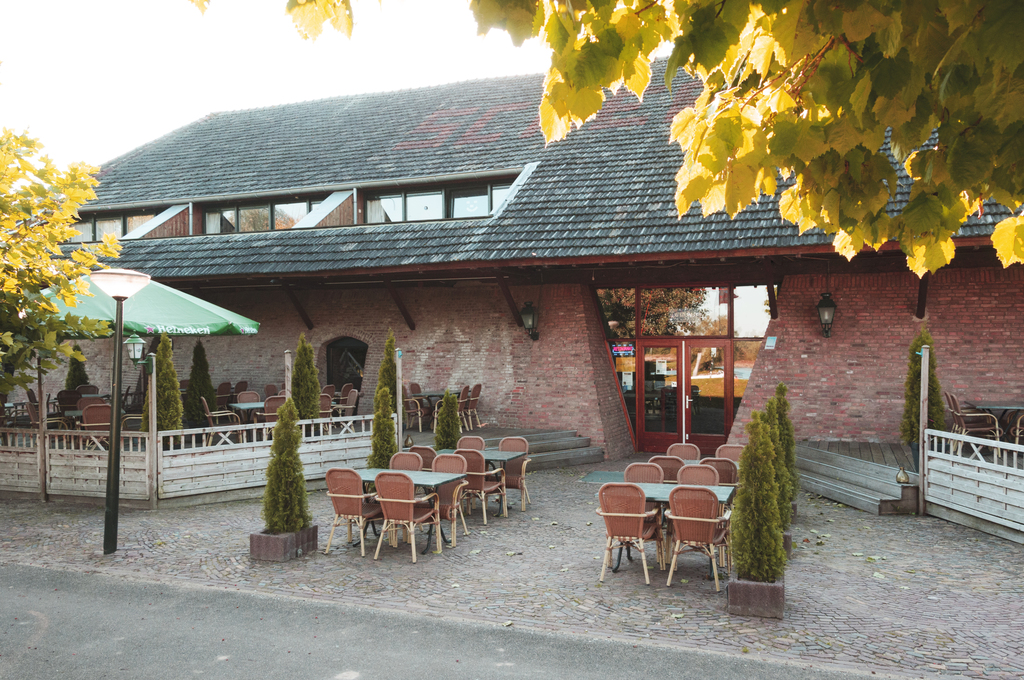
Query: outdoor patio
(891, 594)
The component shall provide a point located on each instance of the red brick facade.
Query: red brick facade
(850, 386)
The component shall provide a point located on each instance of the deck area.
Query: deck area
(890, 454)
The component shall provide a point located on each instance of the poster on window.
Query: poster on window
(627, 381)
(661, 366)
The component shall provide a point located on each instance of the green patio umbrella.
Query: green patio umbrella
(160, 309)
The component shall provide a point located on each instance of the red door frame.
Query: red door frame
(658, 442)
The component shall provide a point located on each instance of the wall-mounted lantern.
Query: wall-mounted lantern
(826, 313)
(529, 315)
(136, 346)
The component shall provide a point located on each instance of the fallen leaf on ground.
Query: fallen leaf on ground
(507, 624)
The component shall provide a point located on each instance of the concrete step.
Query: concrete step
(536, 437)
(566, 458)
(559, 445)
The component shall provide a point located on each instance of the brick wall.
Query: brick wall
(464, 334)
(850, 386)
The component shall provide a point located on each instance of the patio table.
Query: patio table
(247, 409)
(428, 480)
(492, 456)
(431, 397)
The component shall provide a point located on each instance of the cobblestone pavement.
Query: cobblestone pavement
(895, 595)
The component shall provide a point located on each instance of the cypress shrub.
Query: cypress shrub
(76, 371)
(168, 392)
(199, 385)
(285, 504)
(305, 382)
(771, 422)
(756, 532)
(387, 376)
(383, 443)
(787, 437)
(446, 433)
(912, 390)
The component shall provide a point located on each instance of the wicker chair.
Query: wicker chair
(345, 488)
(89, 401)
(413, 408)
(729, 451)
(242, 386)
(223, 395)
(347, 407)
(328, 389)
(406, 460)
(67, 400)
(269, 390)
(464, 408)
(471, 442)
(474, 399)
(414, 388)
(398, 503)
(183, 384)
(450, 495)
(427, 454)
(326, 408)
(728, 471)
(644, 473)
(515, 469)
(698, 475)
(684, 451)
(627, 524)
(972, 422)
(81, 389)
(481, 485)
(669, 465)
(270, 406)
(213, 418)
(696, 526)
(341, 394)
(52, 422)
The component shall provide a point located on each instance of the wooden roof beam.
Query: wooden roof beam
(922, 295)
(298, 306)
(401, 305)
(510, 300)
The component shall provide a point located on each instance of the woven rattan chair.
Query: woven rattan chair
(328, 389)
(214, 418)
(269, 390)
(698, 475)
(627, 523)
(81, 389)
(414, 388)
(515, 469)
(67, 400)
(471, 442)
(644, 473)
(464, 408)
(347, 407)
(242, 386)
(449, 496)
(413, 409)
(728, 471)
(270, 406)
(326, 408)
(684, 451)
(52, 422)
(183, 384)
(474, 399)
(223, 395)
(399, 505)
(483, 482)
(427, 454)
(406, 460)
(341, 394)
(972, 422)
(247, 397)
(89, 401)
(696, 526)
(729, 451)
(669, 465)
(351, 505)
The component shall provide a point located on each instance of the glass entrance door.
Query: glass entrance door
(709, 406)
(659, 416)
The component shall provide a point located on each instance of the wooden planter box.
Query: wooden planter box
(283, 547)
(751, 598)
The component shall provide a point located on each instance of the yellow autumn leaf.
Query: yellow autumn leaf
(1008, 239)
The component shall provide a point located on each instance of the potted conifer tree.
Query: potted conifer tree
(289, 531)
(383, 443)
(199, 385)
(76, 371)
(912, 394)
(168, 393)
(787, 438)
(305, 382)
(387, 374)
(446, 432)
(771, 421)
(756, 532)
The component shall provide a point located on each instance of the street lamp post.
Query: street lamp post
(119, 284)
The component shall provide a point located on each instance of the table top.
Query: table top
(419, 477)
(247, 406)
(493, 455)
(659, 492)
(998, 406)
(431, 394)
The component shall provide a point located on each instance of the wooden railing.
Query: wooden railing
(19, 460)
(76, 463)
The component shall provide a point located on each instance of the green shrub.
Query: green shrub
(912, 390)
(756, 533)
(199, 385)
(305, 382)
(447, 431)
(387, 376)
(383, 443)
(76, 371)
(771, 421)
(787, 437)
(168, 392)
(285, 504)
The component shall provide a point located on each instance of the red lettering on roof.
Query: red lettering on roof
(436, 129)
(616, 113)
(473, 134)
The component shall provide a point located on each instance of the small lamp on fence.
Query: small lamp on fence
(826, 313)
(136, 347)
(529, 315)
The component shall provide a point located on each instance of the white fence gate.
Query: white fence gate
(960, 485)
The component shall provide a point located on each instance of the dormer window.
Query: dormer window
(440, 204)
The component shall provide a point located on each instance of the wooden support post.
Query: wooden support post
(298, 306)
(922, 295)
(922, 423)
(516, 316)
(773, 304)
(154, 442)
(42, 409)
(399, 400)
(401, 305)
(288, 372)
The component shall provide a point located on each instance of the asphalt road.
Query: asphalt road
(56, 624)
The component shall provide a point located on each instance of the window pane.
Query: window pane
(254, 219)
(624, 355)
(384, 209)
(469, 202)
(750, 312)
(108, 227)
(287, 215)
(618, 311)
(136, 221)
(707, 390)
(428, 206)
(661, 369)
(744, 355)
(684, 311)
(220, 222)
(86, 232)
(498, 195)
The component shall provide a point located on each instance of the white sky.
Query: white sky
(92, 79)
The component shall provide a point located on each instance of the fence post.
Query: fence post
(153, 435)
(288, 372)
(400, 397)
(42, 410)
(922, 424)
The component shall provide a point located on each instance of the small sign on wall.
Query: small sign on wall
(769, 342)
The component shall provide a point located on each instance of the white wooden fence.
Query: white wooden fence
(175, 463)
(959, 484)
